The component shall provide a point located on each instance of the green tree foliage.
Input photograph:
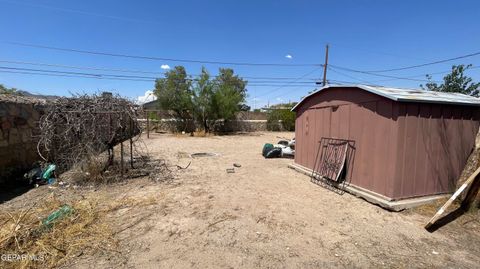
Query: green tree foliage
(203, 93)
(456, 81)
(228, 95)
(205, 100)
(5, 90)
(174, 93)
(280, 117)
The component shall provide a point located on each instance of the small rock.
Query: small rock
(435, 253)
(237, 165)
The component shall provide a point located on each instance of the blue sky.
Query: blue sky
(363, 35)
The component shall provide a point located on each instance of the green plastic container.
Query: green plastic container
(266, 148)
(49, 172)
(56, 215)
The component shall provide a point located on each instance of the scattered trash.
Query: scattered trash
(284, 148)
(275, 152)
(63, 211)
(237, 165)
(33, 175)
(283, 142)
(203, 154)
(38, 176)
(48, 172)
(266, 149)
(230, 170)
(182, 168)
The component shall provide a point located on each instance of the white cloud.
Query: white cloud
(288, 56)
(149, 96)
(165, 66)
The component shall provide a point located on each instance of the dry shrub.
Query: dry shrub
(93, 171)
(430, 209)
(83, 232)
(202, 133)
(90, 171)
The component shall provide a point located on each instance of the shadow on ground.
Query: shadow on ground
(8, 191)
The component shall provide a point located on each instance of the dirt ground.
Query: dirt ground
(264, 215)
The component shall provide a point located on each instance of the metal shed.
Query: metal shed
(406, 143)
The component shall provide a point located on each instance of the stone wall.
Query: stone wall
(173, 125)
(19, 118)
(245, 121)
(241, 126)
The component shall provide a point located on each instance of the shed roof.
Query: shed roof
(408, 95)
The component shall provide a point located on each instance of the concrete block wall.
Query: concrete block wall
(19, 118)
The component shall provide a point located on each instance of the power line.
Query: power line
(340, 45)
(289, 84)
(79, 12)
(340, 82)
(126, 70)
(76, 73)
(424, 64)
(124, 76)
(157, 58)
(81, 67)
(378, 75)
(43, 73)
(99, 75)
(423, 75)
(65, 75)
(348, 76)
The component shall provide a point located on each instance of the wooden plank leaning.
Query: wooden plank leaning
(462, 188)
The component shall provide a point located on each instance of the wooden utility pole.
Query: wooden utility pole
(325, 67)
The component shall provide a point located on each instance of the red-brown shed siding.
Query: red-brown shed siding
(433, 146)
(402, 149)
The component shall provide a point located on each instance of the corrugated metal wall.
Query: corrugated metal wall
(402, 150)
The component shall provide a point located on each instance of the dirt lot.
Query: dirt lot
(264, 215)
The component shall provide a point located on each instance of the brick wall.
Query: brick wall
(18, 126)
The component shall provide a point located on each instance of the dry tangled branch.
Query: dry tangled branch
(78, 128)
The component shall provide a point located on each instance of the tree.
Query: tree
(202, 100)
(174, 93)
(229, 94)
(456, 81)
(205, 100)
(281, 115)
(5, 90)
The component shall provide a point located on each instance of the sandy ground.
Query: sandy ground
(266, 215)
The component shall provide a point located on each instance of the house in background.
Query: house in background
(410, 146)
(152, 105)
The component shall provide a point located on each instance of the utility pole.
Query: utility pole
(325, 67)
